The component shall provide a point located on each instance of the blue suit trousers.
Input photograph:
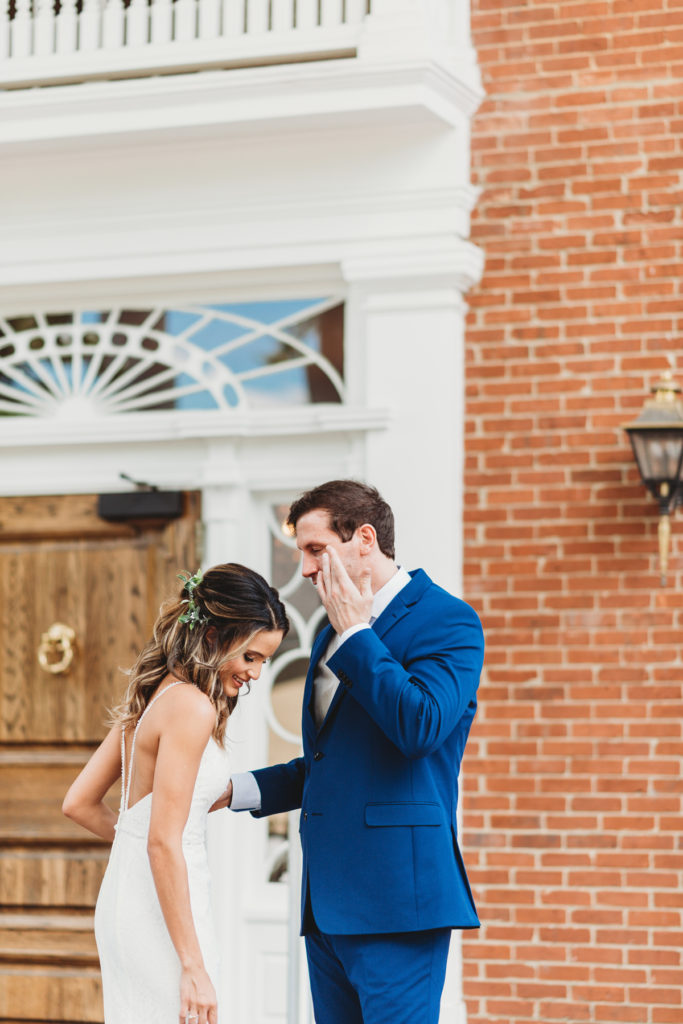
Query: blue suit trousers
(377, 979)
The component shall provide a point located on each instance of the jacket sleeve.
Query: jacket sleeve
(417, 702)
(281, 787)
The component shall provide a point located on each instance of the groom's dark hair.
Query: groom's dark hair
(350, 504)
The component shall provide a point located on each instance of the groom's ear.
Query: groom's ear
(367, 537)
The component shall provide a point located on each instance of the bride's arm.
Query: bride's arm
(187, 725)
(84, 801)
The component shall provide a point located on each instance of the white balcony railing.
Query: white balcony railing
(44, 41)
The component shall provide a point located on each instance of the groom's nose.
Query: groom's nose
(309, 568)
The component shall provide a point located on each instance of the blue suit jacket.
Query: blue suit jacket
(378, 782)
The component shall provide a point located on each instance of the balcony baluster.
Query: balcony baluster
(88, 39)
(332, 13)
(4, 29)
(89, 23)
(20, 39)
(209, 19)
(233, 18)
(161, 21)
(307, 14)
(137, 23)
(257, 16)
(113, 25)
(67, 27)
(282, 15)
(43, 27)
(185, 28)
(356, 10)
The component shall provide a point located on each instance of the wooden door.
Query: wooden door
(61, 563)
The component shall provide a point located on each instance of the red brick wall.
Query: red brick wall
(573, 817)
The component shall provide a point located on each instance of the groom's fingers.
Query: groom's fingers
(329, 582)
(327, 570)
(320, 582)
(338, 575)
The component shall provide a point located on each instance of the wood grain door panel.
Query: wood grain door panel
(59, 562)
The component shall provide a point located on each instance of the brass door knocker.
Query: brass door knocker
(56, 651)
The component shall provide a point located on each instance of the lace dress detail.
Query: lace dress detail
(140, 967)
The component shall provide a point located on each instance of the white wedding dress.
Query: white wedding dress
(140, 967)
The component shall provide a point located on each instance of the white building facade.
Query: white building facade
(234, 261)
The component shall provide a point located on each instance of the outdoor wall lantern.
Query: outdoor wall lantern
(657, 442)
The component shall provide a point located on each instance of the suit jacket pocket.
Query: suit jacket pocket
(388, 815)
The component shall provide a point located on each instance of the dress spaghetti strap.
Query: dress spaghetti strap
(125, 788)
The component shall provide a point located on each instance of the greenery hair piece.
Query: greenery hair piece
(192, 616)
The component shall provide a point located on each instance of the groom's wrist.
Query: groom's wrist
(356, 628)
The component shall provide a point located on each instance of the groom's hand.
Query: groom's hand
(346, 604)
(224, 800)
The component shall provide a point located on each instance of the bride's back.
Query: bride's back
(141, 742)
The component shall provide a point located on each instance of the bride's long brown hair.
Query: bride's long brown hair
(232, 605)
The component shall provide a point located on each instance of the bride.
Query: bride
(153, 924)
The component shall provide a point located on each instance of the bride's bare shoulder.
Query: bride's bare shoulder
(187, 700)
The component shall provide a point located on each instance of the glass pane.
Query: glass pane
(214, 357)
(658, 454)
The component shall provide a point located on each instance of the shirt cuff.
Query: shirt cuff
(246, 795)
(353, 629)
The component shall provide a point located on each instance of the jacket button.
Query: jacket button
(305, 815)
(318, 756)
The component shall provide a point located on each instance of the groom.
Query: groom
(389, 700)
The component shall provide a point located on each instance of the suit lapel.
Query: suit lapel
(402, 603)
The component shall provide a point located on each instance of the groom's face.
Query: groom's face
(314, 534)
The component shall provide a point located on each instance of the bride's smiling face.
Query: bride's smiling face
(236, 672)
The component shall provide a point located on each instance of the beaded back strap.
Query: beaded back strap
(125, 788)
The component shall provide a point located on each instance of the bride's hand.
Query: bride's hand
(197, 997)
(224, 800)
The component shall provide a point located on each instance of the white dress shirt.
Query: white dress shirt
(246, 795)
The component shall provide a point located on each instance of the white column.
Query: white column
(405, 351)
(233, 838)
(251, 914)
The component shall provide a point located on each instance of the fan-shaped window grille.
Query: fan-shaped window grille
(242, 355)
